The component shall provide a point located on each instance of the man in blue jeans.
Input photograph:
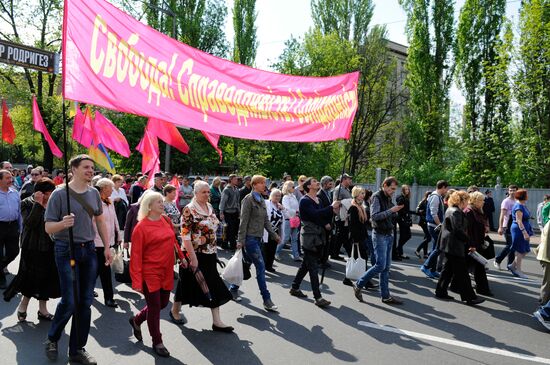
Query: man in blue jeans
(85, 205)
(504, 225)
(435, 211)
(383, 215)
(254, 220)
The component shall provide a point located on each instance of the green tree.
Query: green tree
(532, 86)
(245, 44)
(430, 33)
(483, 57)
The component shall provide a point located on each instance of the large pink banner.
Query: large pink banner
(112, 60)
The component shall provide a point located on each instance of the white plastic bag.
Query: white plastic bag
(118, 260)
(476, 256)
(233, 272)
(355, 268)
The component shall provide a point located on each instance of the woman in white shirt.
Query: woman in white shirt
(276, 214)
(105, 187)
(290, 203)
(120, 200)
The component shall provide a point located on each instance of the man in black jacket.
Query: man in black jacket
(325, 199)
(383, 214)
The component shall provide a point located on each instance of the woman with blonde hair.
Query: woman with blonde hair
(292, 221)
(358, 220)
(478, 227)
(151, 266)
(454, 242)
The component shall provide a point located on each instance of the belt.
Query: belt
(9, 222)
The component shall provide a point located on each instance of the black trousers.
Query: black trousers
(104, 273)
(268, 250)
(310, 264)
(232, 220)
(404, 237)
(427, 239)
(480, 276)
(341, 239)
(455, 269)
(9, 243)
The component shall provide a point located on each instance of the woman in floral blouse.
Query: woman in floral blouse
(199, 225)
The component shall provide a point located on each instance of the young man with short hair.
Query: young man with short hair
(85, 205)
(383, 216)
(435, 212)
(254, 220)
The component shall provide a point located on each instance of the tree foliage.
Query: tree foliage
(430, 31)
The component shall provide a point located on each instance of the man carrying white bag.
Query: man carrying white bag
(233, 272)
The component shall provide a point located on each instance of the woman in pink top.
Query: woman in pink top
(105, 187)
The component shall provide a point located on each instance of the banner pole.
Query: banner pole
(71, 237)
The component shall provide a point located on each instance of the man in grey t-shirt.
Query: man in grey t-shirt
(85, 206)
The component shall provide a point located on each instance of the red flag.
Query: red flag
(168, 133)
(82, 128)
(175, 182)
(110, 136)
(214, 139)
(8, 133)
(149, 148)
(39, 125)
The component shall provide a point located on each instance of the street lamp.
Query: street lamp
(169, 12)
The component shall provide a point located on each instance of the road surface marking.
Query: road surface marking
(422, 336)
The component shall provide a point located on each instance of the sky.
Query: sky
(279, 19)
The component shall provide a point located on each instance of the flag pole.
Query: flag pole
(71, 237)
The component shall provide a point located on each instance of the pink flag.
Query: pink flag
(115, 61)
(39, 125)
(214, 139)
(82, 128)
(149, 148)
(168, 133)
(110, 136)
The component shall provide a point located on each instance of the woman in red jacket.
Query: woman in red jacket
(151, 266)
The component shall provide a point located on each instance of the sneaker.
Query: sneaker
(322, 302)
(357, 292)
(297, 258)
(392, 301)
(436, 274)
(277, 257)
(512, 270)
(297, 293)
(236, 297)
(83, 357)
(429, 274)
(51, 350)
(270, 306)
(540, 317)
(497, 265)
(522, 275)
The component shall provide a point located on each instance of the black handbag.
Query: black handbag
(125, 277)
(489, 251)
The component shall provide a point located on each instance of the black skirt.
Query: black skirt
(37, 276)
(189, 292)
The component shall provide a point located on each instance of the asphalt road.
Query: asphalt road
(422, 331)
